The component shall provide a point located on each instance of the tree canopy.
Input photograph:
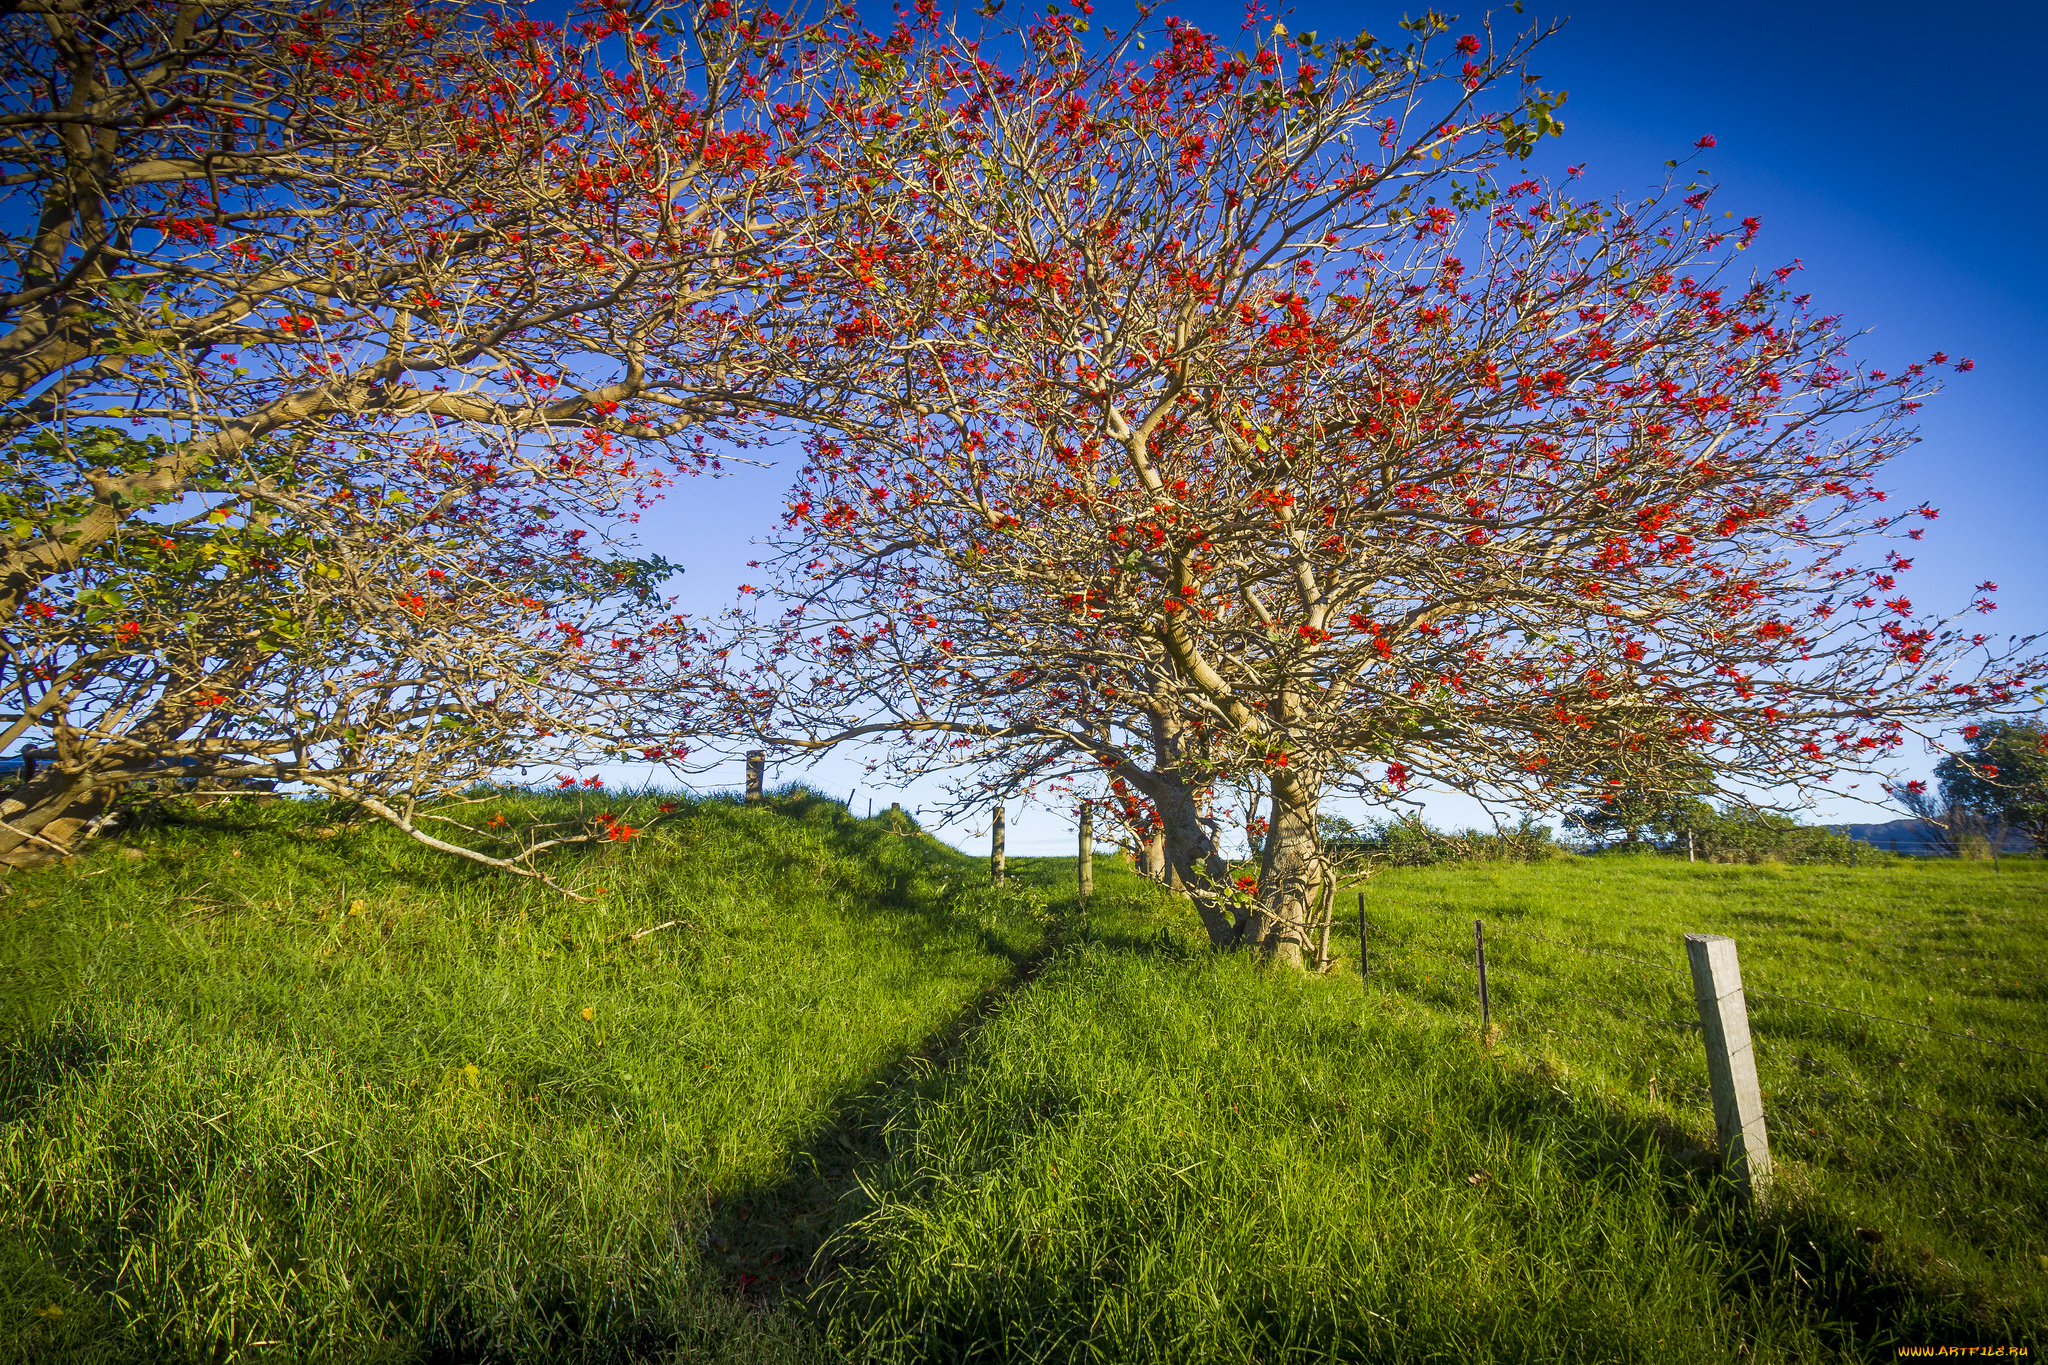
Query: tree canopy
(1176, 422)
(1264, 390)
(340, 348)
(2001, 776)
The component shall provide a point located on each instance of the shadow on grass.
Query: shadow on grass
(35, 1066)
(766, 1242)
(1858, 1289)
(1802, 1261)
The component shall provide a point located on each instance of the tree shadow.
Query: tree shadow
(1852, 1285)
(917, 878)
(41, 1059)
(769, 1244)
(779, 1243)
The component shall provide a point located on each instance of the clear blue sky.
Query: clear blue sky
(1893, 148)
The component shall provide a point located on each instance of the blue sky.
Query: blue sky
(1896, 150)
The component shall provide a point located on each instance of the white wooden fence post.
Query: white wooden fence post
(1731, 1063)
(757, 763)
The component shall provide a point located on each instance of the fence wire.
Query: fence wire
(1515, 978)
(1408, 949)
(1582, 948)
(1882, 1170)
(1526, 1015)
(1806, 1062)
(1902, 1023)
(1653, 1018)
(1635, 1062)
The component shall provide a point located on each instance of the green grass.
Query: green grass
(236, 1112)
(1932, 1137)
(862, 1106)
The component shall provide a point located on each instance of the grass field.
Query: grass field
(279, 1089)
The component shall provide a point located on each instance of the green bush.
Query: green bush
(1736, 835)
(1411, 841)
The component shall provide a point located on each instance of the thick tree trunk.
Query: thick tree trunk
(1151, 857)
(1292, 875)
(1194, 865)
(43, 819)
(1189, 860)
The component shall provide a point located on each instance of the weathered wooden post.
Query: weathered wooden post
(1362, 962)
(757, 763)
(1731, 1063)
(1479, 956)
(995, 849)
(1086, 871)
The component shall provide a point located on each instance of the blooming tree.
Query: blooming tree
(1256, 377)
(340, 346)
(1202, 164)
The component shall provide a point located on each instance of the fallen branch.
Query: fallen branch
(37, 838)
(639, 934)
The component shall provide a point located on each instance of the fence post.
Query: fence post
(1731, 1062)
(995, 849)
(1362, 963)
(1086, 871)
(757, 762)
(1479, 956)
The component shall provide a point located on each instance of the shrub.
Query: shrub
(1411, 841)
(1737, 835)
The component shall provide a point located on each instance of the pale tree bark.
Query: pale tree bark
(1184, 855)
(44, 817)
(1293, 875)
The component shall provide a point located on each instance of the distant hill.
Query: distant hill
(1916, 837)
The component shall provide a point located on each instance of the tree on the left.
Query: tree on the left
(341, 347)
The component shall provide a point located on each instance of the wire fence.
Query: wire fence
(1901, 1023)
(1901, 1135)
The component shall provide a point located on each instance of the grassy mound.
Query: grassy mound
(281, 1089)
(277, 1082)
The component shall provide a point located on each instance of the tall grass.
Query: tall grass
(860, 1105)
(1162, 1155)
(270, 1095)
(1881, 1000)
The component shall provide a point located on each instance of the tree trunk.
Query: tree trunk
(41, 820)
(1152, 857)
(1292, 874)
(1194, 865)
(1183, 853)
